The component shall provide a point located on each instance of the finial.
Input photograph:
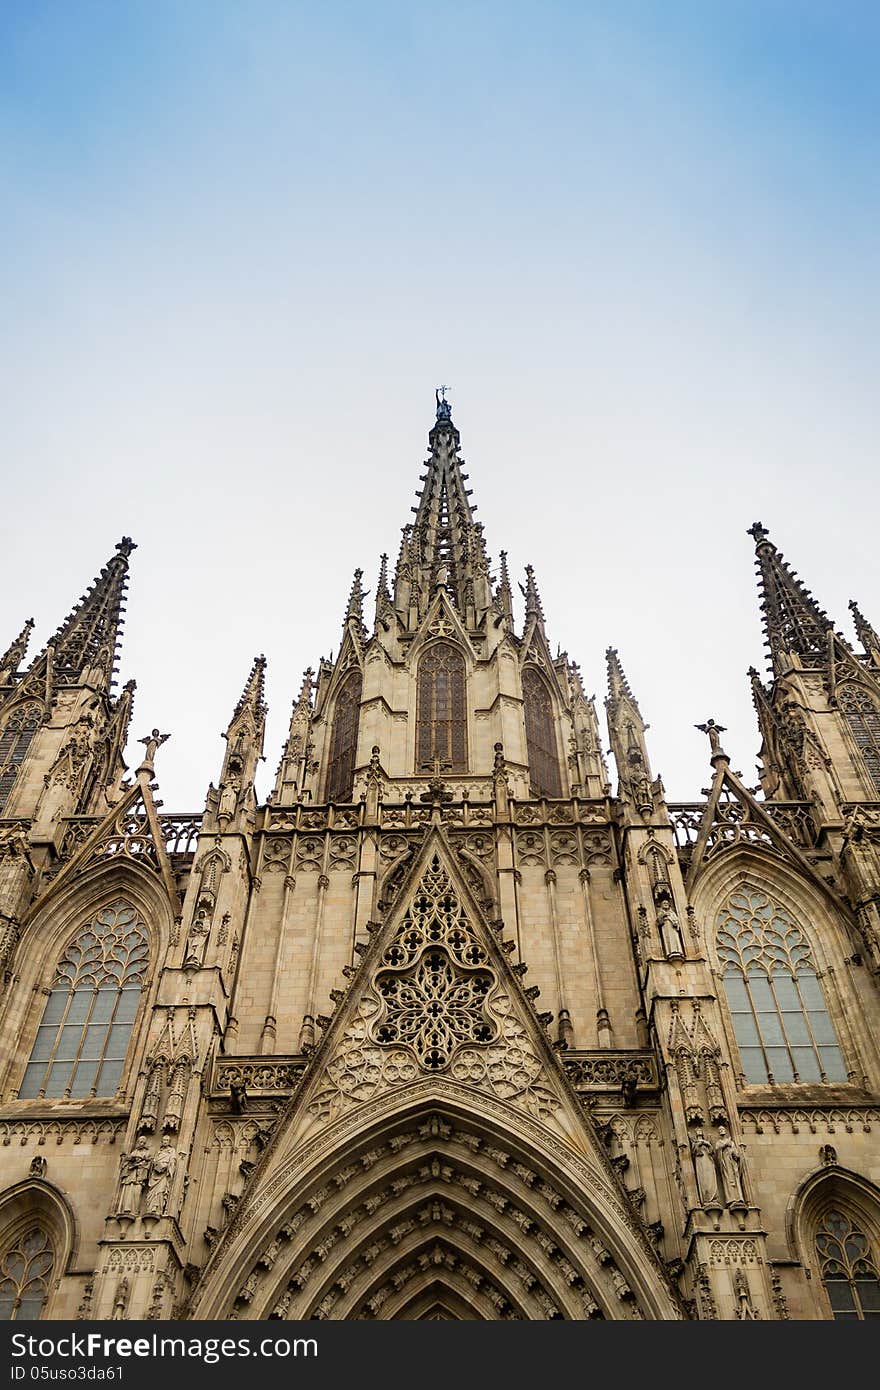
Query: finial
(126, 546)
(444, 409)
(758, 532)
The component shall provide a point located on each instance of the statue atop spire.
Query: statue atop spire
(444, 407)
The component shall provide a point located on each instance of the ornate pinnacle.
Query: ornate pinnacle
(532, 598)
(89, 636)
(14, 655)
(793, 621)
(304, 699)
(866, 633)
(126, 546)
(355, 609)
(252, 695)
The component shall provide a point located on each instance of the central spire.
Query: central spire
(443, 547)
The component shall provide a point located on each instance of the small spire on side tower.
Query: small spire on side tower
(384, 606)
(293, 768)
(866, 633)
(244, 748)
(626, 730)
(14, 655)
(504, 593)
(534, 607)
(354, 613)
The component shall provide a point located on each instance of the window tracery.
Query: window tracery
(83, 1037)
(441, 715)
(343, 741)
(863, 718)
(848, 1267)
(25, 1269)
(779, 1013)
(15, 741)
(540, 735)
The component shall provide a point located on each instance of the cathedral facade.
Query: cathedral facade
(452, 1026)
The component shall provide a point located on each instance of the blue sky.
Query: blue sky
(241, 244)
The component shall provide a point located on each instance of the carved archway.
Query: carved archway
(435, 1206)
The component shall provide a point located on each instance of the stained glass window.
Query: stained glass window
(540, 735)
(15, 740)
(84, 1033)
(774, 995)
(24, 1276)
(848, 1268)
(863, 718)
(441, 720)
(343, 741)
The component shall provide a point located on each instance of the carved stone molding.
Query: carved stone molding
(258, 1075)
(42, 1131)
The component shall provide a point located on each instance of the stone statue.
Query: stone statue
(670, 931)
(704, 1167)
(161, 1172)
(229, 797)
(135, 1167)
(730, 1164)
(153, 741)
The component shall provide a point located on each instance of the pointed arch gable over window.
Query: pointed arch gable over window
(543, 755)
(774, 994)
(441, 709)
(83, 1037)
(863, 717)
(343, 739)
(15, 740)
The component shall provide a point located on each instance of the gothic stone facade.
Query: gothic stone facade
(445, 1028)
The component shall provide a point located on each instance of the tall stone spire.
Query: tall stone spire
(294, 766)
(443, 546)
(534, 607)
(867, 635)
(626, 729)
(13, 657)
(244, 743)
(84, 647)
(794, 624)
(354, 613)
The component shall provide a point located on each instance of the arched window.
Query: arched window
(15, 740)
(779, 1015)
(540, 735)
(848, 1267)
(25, 1269)
(863, 718)
(343, 740)
(84, 1034)
(441, 717)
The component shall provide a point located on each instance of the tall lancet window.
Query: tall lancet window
(343, 740)
(15, 740)
(776, 1001)
(441, 718)
(863, 718)
(84, 1034)
(540, 735)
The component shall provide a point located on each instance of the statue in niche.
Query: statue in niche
(161, 1172)
(135, 1167)
(229, 793)
(730, 1163)
(669, 928)
(704, 1167)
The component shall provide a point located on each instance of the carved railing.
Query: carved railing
(412, 813)
(734, 823)
(180, 833)
(260, 1076)
(590, 1072)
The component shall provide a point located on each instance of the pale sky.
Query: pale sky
(242, 244)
